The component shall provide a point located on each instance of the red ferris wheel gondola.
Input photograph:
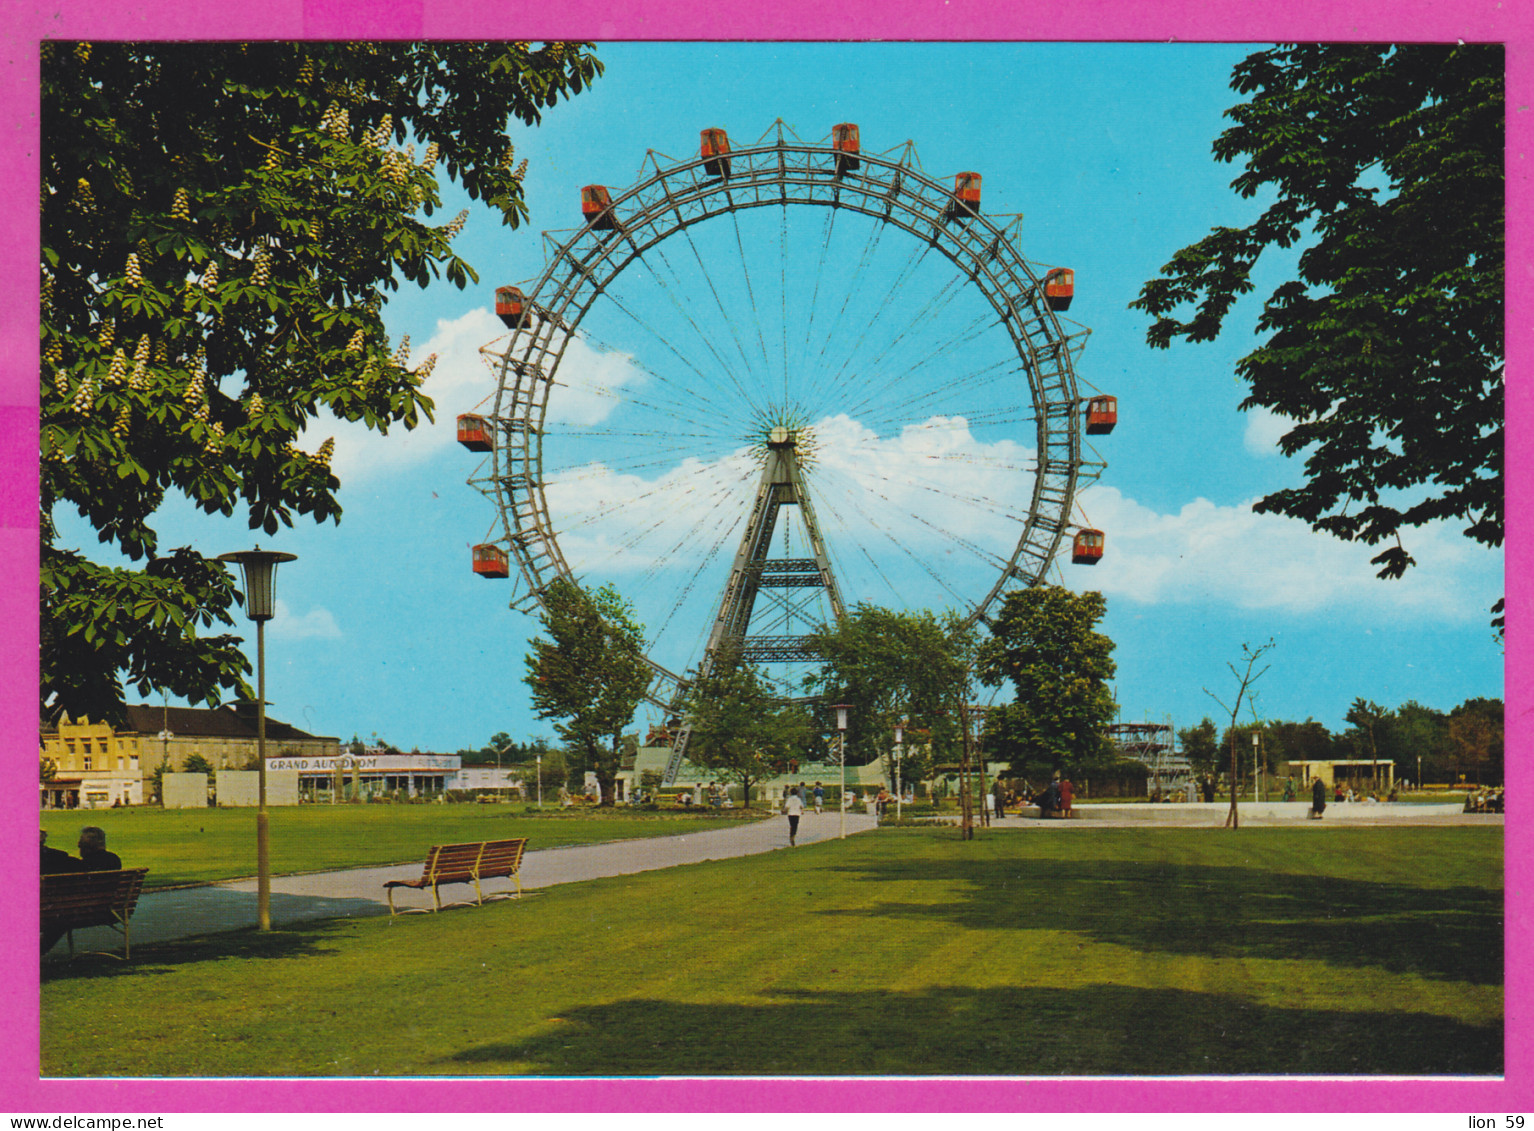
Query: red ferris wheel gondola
(715, 151)
(1102, 415)
(474, 433)
(1060, 288)
(597, 208)
(1088, 547)
(491, 561)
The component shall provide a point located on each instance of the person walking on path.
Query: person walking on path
(820, 797)
(1317, 800)
(793, 806)
(1067, 795)
(999, 796)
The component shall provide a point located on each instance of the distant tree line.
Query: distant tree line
(1466, 741)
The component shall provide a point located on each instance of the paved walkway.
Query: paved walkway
(357, 892)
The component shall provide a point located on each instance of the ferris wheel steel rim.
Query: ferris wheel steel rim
(673, 198)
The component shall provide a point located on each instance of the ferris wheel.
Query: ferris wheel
(764, 384)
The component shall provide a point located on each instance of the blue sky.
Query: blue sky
(1105, 150)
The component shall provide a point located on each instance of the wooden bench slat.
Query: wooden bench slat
(465, 864)
(71, 901)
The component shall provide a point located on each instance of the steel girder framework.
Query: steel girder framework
(675, 195)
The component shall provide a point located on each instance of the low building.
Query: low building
(96, 765)
(224, 736)
(1335, 772)
(345, 775)
(488, 778)
(93, 766)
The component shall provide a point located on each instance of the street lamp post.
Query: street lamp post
(1256, 778)
(500, 782)
(841, 710)
(539, 758)
(899, 782)
(260, 570)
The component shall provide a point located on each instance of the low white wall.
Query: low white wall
(242, 788)
(1295, 810)
(184, 791)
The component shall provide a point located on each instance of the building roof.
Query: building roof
(237, 720)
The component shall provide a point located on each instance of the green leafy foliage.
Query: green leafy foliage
(1045, 644)
(906, 667)
(1384, 164)
(196, 764)
(1201, 746)
(221, 227)
(588, 673)
(739, 727)
(1476, 737)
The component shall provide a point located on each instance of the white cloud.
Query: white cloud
(588, 384)
(316, 624)
(464, 381)
(1264, 428)
(932, 483)
(952, 502)
(1233, 556)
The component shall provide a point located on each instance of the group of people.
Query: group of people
(1485, 801)
(93, 857)
(1057, 797)
(1340, 794)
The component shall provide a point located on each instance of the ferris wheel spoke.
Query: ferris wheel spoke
(707, 559)
(937, 302)
(941, 350)
(686, 361)
(712, 507)
(869, 245)
(679, 392)
(713, 517)
(834, 374)
(939, 398)
(820, 264)
(745, 274)
(608, 466)
(972, 506)
(890, 303)
(674, 288)
(885, 404)
(729, 323)
(989, 506)
(783, 293)
(873, 523)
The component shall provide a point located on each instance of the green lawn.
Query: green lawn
(185, 846)
(909, 951)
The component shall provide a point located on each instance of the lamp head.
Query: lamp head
(259, 568)
(841, 710)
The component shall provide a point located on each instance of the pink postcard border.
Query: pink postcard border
(857, 20)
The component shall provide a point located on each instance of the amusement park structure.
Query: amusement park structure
(787, 388)
(1155, 746)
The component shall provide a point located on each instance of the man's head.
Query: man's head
(92, 839)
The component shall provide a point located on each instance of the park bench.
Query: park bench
(465, 864)
(72, 901)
